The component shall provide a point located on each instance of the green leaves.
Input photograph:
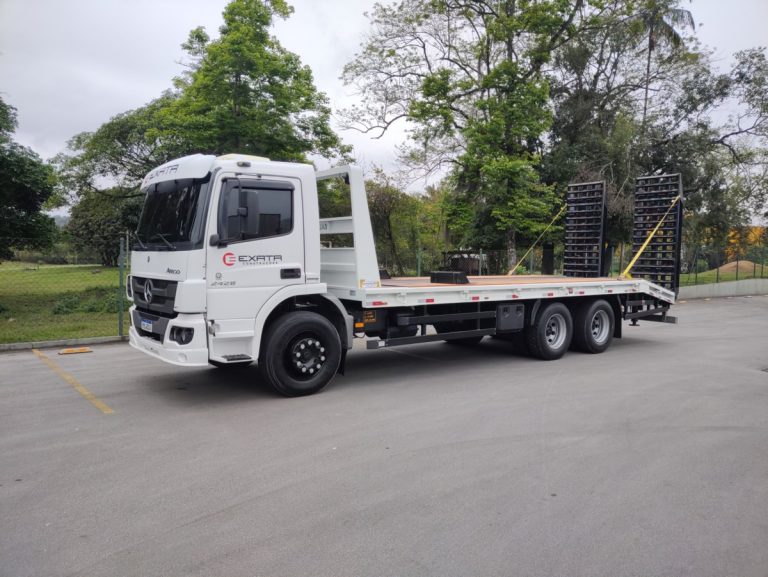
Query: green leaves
(26, 183)
(248, 94)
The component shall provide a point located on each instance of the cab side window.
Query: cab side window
(257, 209)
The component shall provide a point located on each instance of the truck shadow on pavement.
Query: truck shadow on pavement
(364, 368)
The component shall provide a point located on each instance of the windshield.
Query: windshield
(173, 217)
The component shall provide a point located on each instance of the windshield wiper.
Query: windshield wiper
(141, 244)
(161, 236)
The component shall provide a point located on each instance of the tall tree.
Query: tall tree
(241, 92)
(245, 93)
(662, 21)
(469, 79)
(26, 183)
(120, 152)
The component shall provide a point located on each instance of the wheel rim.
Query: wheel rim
(305, 356)
(555, 331)
(600, 327)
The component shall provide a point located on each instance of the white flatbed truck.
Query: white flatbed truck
(228, 268)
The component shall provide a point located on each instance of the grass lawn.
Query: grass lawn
(49, 302)
(747, 269)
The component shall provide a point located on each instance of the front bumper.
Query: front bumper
(193, 354)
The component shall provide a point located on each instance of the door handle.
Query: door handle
(290, 273)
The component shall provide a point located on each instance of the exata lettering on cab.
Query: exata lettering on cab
(160, 172)
(230, 259)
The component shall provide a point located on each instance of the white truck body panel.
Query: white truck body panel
(504, 289)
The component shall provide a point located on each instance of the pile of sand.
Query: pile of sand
(745, 266)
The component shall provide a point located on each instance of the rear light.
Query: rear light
(182, 335)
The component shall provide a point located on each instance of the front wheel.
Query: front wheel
(550, 337)
(301, 353)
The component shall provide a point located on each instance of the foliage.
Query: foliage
(469, 78)
(121, 151)
(26, 183)
(100, 219)
(92, 300)
(242, 92)
(246, 93)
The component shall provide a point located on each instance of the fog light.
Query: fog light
(182, 335)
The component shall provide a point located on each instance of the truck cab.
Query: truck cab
(222, 242)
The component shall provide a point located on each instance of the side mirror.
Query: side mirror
(216, 241)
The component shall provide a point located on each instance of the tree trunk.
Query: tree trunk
(647, 76)
(393, 245)
(511, 248)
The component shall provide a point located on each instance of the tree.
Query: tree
(26, 183)
(120, 152)
(469, 79)
(245, 93)
(242, 92)
(100, 219)
(661, 21)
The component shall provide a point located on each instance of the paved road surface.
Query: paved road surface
(648, 461)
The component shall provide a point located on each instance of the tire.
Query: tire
(549, 338)
(293, 348)
(593, 327)
(458, 326)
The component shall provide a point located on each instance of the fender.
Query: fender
(349, 321)
(314, 289)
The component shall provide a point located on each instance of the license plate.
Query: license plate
(146, 325)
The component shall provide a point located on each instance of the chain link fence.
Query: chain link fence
(61, 293)
(714, 264)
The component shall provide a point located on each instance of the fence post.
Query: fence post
(717, 269)
(121, 287)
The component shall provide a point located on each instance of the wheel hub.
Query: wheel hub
(306, 356)
(555, 331)
(600, 326)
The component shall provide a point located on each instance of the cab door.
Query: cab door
(259, 249)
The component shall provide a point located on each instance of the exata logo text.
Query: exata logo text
(229, 258)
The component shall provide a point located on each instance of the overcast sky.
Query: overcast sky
(69, 65)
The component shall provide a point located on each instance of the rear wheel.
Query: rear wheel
(593, 327)
(550, 336)
(301, 353)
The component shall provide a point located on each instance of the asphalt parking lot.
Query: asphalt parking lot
(650, 460)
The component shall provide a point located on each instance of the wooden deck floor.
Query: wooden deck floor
(423, 282)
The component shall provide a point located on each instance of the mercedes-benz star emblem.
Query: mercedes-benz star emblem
(148, 291)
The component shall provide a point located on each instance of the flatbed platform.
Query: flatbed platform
(424, 282)
(415, 291)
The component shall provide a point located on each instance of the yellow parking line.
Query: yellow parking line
(103, 407)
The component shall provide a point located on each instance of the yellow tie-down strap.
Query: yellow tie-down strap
(626, 274)
(522, 260)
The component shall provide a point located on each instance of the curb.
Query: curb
(61, 343)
